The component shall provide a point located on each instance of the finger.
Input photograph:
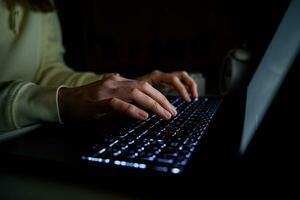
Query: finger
(127, 109)
(147, 102)
(158, 97)
(190, 82)
(179, 86)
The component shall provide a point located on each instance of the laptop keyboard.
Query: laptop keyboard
(157, 144)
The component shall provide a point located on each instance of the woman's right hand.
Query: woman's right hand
(115, 93)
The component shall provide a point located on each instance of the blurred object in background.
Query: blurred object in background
(200, 80)
(235, 71)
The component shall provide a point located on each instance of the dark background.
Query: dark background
(192, 35)
(135, 38)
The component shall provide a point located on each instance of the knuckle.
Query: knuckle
(163, 99)
(174, 79)
(114, 77)
(184, 73)
(107, 82)
(155, 106)
(156, 72)
(144, 84)
(112, 101)
(133, 91)
(129, 108)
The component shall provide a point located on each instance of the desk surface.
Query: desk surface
(28, 184)
(21, 181)
(268, 174)
(16, 185)
(24, 185)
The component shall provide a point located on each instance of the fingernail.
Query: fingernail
(143, 115)
(174, 111)
(167, 115)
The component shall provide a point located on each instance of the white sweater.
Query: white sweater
(32, 68)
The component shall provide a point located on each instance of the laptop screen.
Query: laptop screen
(271, 71)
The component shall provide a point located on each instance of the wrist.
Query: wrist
(60, 103)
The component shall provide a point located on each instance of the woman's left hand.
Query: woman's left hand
(180, 81)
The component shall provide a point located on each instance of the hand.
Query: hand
(180, 81)
(115, 93)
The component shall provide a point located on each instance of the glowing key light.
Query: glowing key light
(142, 166)
(123, 163)
(175, 170)
(117, 162)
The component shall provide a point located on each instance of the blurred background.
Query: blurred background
(135, 38)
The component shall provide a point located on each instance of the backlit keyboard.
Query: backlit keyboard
(157, 144)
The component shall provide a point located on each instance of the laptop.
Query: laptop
(209, 129)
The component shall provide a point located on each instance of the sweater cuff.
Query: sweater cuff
(34, 104)
(57, 104)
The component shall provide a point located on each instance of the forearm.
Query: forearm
(24, 104)
(55, 74)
